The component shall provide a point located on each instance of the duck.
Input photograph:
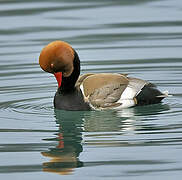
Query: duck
(93, 91)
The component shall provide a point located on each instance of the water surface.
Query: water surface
(141, 38)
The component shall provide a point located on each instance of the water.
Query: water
(141, 38)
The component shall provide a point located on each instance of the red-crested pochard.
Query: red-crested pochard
(93, 90)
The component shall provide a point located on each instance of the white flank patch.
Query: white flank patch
(127, 98)
(129, 93)
(126, 103)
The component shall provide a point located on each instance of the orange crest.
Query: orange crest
(57, 52)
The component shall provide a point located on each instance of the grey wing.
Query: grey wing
(136, 84)
(107, 96)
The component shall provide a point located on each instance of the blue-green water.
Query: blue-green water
(141, 38)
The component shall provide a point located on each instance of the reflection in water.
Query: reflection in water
(123, 120)
(64, 157)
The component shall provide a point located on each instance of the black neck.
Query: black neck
(68, 83)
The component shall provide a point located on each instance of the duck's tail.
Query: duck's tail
(149, 94)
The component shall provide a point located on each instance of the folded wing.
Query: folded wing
(103, 90)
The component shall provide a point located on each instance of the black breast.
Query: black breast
(72, 100)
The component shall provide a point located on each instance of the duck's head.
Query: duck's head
(60, 59)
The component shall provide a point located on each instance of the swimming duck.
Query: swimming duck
(93, 90)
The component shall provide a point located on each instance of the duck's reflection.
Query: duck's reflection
(125, 120)
(64, 157)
